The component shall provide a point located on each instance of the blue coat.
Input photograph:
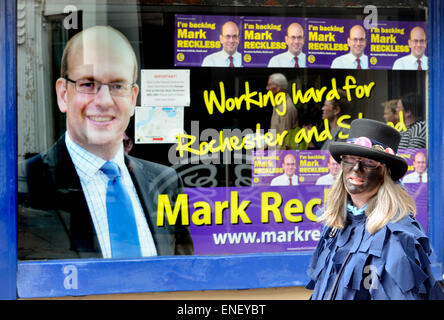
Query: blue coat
(393, 263)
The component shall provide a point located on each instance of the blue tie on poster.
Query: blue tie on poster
(121, 221)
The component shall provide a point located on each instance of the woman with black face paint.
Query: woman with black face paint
(371, 246)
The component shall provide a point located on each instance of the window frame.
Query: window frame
(98, 276)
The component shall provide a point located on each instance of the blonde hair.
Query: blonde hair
(391, 203)
(390, 104)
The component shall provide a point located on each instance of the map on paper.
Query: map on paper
(158, 124)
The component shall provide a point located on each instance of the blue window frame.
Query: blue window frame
(8, 151)
(91, 276)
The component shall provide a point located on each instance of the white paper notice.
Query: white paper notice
(163, 88)
(158, 124)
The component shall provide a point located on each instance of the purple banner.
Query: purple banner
(240, 220)
(389, 46)
(316, 43)
(254, 220)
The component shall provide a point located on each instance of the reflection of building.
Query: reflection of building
(39, 49)
(279, 122)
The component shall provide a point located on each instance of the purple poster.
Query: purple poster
(273, 217)
(390, 47)
(210, 41)
(199, 41)
(266, 44)
(267, 165)
(316, 167)
(239, 220)
(311, 167)
(329, 47)
(415, 181)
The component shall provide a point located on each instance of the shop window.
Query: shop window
(250, 151)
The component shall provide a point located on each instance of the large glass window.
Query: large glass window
(241, 102)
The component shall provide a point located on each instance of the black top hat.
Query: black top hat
(374, 140)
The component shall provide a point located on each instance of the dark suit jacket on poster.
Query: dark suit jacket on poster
(54, 219)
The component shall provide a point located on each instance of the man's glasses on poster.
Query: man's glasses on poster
(117, 89)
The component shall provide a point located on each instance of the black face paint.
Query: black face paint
(358, 179)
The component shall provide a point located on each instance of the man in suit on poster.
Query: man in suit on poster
(419, 175)
(70, 190)
(333, 170)
(416, 60)
(288, 178)
(355, 59)
(294, 57)
(229, 56)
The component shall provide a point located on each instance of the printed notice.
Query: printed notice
(163, 88)
(158, 124)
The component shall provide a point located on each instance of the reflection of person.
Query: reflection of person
(412, 107)
(75, 179)
(390, 114)
(288, 178)
(372, 247)
(333, 170)
(420, 173)
(355, 59)
(416, 60)
(127, 143)
(294, 57)
(277, 82)
(228, 56)
(332, 110)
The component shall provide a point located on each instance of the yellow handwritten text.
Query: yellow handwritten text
(230, 104)
(260, 100)
(259, 140)
(248, 142)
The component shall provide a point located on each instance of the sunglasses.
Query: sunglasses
(367, 164)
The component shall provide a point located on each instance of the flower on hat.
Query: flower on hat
(366, 142)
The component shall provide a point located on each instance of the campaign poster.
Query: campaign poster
(268, 165)
(197, 37)
(389, 42)
(264, 40)
(327, 40)
(325, 43)
(416, 181)
(312, 167)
